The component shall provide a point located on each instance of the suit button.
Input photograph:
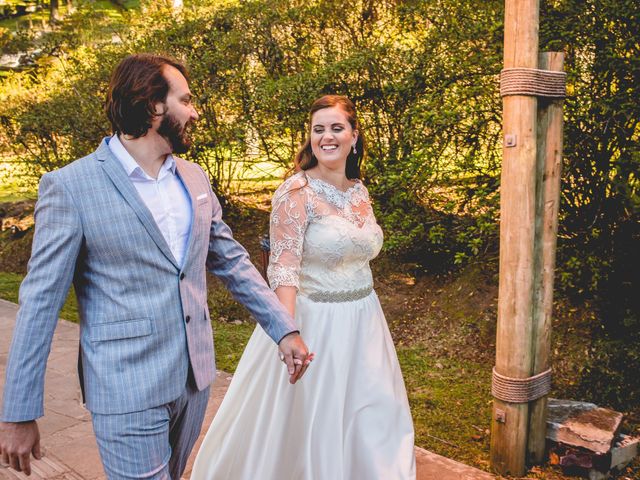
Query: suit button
(187, 319)
(182, 276)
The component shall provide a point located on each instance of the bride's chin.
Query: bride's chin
(332, 163)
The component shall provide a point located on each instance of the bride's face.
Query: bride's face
(332, 137)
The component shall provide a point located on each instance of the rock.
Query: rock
(624, 451)
(581, 424)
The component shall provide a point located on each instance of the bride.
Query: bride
(349, 418)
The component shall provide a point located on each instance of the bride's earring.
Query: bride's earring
(355, 152)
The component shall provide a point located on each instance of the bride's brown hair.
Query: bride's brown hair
(305, 159)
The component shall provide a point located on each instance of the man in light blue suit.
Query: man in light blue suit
(134, 229)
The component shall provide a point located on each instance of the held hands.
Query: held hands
(18, 440)
(295, 354)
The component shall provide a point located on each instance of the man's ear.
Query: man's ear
(160, 108)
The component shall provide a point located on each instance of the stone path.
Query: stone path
(70, 451)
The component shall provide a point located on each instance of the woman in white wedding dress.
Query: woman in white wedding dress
(349, 418)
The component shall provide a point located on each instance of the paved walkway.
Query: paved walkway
(70, 450)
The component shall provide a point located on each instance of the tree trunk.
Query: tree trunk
(54, 11)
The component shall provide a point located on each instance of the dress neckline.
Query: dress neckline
(331, 186)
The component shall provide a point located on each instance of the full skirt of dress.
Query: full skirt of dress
(348, 418)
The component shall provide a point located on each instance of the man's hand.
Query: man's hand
(296, 355)
(17, 442)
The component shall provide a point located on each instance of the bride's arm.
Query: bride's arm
(287, 296)
(287, 226)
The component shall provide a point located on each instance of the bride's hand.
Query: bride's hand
(295, 354)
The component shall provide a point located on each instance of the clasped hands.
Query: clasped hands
(295, 354)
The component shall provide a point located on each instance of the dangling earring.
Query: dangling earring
(355, 152)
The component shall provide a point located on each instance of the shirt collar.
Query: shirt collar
(131, 166)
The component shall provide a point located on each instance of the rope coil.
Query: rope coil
(520, 390)
(533, 82)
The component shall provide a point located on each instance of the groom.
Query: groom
(134, 228)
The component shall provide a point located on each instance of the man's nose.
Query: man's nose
(194, 113)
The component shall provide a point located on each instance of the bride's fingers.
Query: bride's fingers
(304, 369)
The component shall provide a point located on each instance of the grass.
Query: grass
(13, 186)
(9, 193)
(230, 341)
(10, 284)
(450, 403)
(41, 17)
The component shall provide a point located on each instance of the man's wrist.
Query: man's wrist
(296, 332)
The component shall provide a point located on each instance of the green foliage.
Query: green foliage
(601, 194)
(424, 77)
(609, 377)
(599, 231)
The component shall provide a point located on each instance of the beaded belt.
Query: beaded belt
(339, 296)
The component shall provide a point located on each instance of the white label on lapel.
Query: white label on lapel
(202, 196)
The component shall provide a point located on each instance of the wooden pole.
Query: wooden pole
(514, 353)
(548, 198)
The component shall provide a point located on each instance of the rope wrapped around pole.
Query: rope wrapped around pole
(520, 390)
(533, 82)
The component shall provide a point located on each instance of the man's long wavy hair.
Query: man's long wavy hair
(136, 86)
(305, 159)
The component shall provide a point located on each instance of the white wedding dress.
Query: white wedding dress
(348, 418)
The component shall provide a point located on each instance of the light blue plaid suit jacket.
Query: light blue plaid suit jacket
(143, 319)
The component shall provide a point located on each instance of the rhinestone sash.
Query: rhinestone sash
(339, 296)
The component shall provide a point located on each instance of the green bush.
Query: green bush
(424, 77)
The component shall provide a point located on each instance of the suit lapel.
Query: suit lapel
(191, 183)
(121, 181)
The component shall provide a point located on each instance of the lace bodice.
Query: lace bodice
(322, 238)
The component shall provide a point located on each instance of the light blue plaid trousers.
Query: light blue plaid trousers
(154, 443)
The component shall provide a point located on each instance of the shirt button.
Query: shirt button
(182, 276)
(187, 319)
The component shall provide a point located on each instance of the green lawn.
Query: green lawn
(10, 283)
(13, 194)
(41, 17)
(451, 405)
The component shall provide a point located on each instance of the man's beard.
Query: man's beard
(177, 136)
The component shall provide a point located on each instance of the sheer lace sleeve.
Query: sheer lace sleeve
(289, 219)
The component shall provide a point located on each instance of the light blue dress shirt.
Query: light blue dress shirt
(166, 198)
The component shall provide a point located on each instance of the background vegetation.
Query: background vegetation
(424, 77)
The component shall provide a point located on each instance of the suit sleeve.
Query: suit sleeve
(230, 262)
(56, 243)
